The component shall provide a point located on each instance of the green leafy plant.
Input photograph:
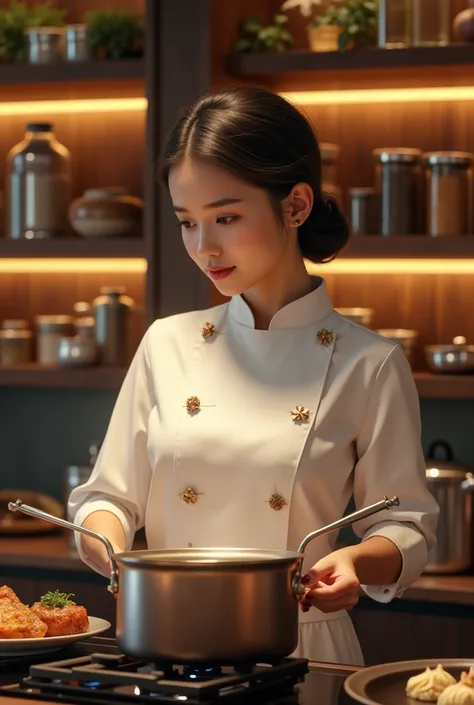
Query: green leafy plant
(115, 34)
(57, 599)
(17, 18)
(356, 18)
(254, 36)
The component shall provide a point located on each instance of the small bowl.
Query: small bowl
(457, 358)
(401, 336)
(361, 316)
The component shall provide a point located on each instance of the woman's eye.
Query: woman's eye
(185, 224)
(226, 219)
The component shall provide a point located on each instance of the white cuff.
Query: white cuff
(412, 545)
(98, 506)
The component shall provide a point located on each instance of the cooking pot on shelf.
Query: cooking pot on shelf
(212, 605)
(452, 486)
(455, 358)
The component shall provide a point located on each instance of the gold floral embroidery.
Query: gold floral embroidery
(190, 496)
(324, 336)
(208, 329)
(193, 405)
(299, 413)
(276, 502)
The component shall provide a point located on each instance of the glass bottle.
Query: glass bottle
(395, 23)
(431, 22)
(38, 185)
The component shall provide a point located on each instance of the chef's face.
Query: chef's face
(229, 227)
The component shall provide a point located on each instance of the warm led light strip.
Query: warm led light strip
(381, 95)
(72, 266)
(393, 266)
(62, 107)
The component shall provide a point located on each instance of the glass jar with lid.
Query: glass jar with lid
(397, 184)
(449, 197)
(50, 331)
(16, 342)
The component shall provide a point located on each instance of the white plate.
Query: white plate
(27, 647)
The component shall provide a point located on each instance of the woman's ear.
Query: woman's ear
(298, 205)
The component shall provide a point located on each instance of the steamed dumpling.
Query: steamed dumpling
(429, 685)
(461, 693)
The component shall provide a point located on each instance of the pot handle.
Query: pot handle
(448, 451)
(18, 506)
(468, 484)
(385, 503)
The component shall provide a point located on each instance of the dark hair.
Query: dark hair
(264, 140)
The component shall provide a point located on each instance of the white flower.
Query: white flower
(305, 6)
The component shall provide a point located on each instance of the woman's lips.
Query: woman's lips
(220, 273)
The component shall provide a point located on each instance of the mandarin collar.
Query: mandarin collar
(308, 309)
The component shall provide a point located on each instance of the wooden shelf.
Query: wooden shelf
(73, 248)
(431, 386)
(63, 71)
(56, 377)
(410, 246)
(260, 64)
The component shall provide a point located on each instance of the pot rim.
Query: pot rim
(208, 558)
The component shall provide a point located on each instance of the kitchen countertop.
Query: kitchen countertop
(54, 552)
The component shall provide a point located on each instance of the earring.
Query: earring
(297, 222)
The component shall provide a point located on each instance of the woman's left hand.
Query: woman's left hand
(332, 584)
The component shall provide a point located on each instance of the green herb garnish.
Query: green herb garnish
(57, 599)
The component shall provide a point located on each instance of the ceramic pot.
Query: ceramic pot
(324, 38)
(463, 25)
(107, 212)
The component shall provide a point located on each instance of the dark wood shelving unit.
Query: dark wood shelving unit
(261, 64)
(56, 377)
(410, 246)
(73, 247)
(64, 71)
(434, 386)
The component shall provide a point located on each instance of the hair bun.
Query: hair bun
(325, 232)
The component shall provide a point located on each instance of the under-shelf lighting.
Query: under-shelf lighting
(365, 96)
(393, 266)
(65, 265)
(64, 107)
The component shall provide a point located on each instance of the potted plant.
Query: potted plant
(17, 19)
(114, 34)
(254, 36)
(345, 25)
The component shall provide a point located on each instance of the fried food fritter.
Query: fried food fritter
(17, 621)
(62, 621)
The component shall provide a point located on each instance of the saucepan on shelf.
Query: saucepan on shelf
(456, 358)
(212, 605)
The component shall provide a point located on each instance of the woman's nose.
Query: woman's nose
(207, 245)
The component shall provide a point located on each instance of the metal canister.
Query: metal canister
(76, 47)
(15, 342)
(112, 310)
(363, 211)
(449, 197)
(397, 178)
(329, 163)
(50, 331)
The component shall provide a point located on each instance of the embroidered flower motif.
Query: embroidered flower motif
(299, 413)
(208, 329)
(324, 336)
(277, 502)
(193, 405)
(190, 496)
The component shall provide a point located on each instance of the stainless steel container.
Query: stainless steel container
(50, 331)
(452, 487)
(363, 211)
(397, 178)
(75, 46)
(45, 44)
(112, 310)
(38, 185)
(208, 605)
(16, 340)
(449, 196)
(457, 358)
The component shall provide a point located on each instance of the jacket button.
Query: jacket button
(190, 496)
(277, 502)
(190, 545)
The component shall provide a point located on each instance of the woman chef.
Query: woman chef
(253, 423)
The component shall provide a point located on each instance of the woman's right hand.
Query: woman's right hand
(108, 525)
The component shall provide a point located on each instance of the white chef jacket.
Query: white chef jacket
(247, 443)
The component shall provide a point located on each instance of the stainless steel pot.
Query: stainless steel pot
(212, 605)
(452, 486)
(455, 358)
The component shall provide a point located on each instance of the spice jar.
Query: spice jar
(112, 310)
(397, 179)
(15, 343)
(363, 211)
(50, 330)
(329, 161)
(449, 200)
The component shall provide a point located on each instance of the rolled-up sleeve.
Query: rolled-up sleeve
(390, 462)
(121, 477)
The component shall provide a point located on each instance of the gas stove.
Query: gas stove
(95, 672)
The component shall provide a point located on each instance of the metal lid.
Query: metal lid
(14, 324)
(112, 290)
(46, 323)
(39, 127)
(407, 155)
(358, 191)
(398, 333)
(446, 158)
(459, 343)
(443, 467)
(211, 558)
(329, 151)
